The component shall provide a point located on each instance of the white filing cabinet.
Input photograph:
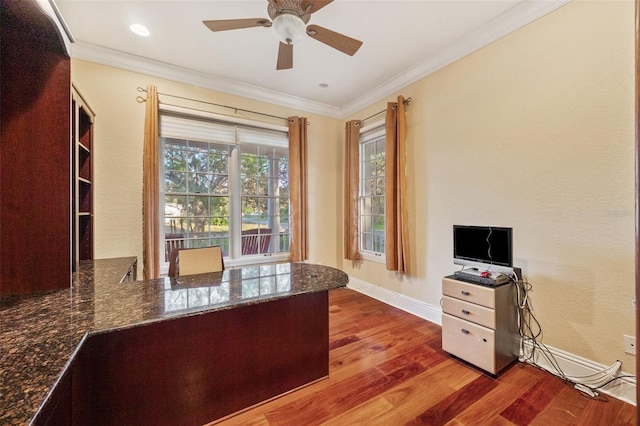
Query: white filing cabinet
(479, 323)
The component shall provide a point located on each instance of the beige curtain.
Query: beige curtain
(396, 232)
(298, 246)
(150, 189)
(351, 190)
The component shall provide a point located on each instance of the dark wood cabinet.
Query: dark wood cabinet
(57, 410)
(35, 169)
(194, 369)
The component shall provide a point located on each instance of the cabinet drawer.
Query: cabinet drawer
(470, 342)
(469, 311)
(472, 293)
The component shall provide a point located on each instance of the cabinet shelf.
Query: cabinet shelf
(82, 137)
(84, 148)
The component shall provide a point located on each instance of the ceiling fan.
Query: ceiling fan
(288, 19)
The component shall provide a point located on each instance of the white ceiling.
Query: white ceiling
(404, 40)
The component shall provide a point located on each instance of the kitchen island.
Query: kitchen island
(163, 351)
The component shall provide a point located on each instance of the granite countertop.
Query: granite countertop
(40, 333)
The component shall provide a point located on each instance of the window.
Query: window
(224, 184)
(372, 191)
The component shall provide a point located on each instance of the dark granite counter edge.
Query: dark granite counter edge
(112, 270)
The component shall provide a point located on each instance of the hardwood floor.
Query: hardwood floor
(387, 368)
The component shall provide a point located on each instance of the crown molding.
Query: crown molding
(510, 21)
(126, 61)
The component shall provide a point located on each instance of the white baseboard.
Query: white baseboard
(572, 365)
(408, 304)
(576, 366)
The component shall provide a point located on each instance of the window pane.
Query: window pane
(198, 157)
(366, 186)
(368, 151)
(365, 206)
(175, 181)
(219, 206)
(249, 206)
(366, 224)
(198, 206)
(198, 183)
(379, 185)
(378, 243)
(219, 160)
(175, 214)
(367, 242)
(284, 210)
(219, 184)
(378, 205)
(378, 223)
(368, 169)
(372, 194)
(175, 157)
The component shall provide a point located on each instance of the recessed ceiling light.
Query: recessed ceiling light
(141, 30)
(323, 85)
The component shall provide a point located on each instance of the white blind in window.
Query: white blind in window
(372, 131)
(181, 125)
(252, 135)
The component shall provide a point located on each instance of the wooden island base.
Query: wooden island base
(196, 369)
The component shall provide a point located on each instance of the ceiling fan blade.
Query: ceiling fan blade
(338, 41)
(235, 24)
(315, 4)
(285, 56)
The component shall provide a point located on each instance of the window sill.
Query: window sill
(373, 257)
(256, 260)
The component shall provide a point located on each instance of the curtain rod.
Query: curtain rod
(140, 99)
(406, 102)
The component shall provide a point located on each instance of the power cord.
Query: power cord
(531, 336)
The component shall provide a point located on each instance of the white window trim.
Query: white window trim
(375, 130)
(244, 260)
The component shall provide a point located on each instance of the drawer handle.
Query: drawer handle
(464, 331)
(465, 293)
(464, 311)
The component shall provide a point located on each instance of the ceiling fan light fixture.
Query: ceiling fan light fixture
(289, 28)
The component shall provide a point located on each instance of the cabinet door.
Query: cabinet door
(34, 153)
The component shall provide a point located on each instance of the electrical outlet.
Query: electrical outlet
(630, 344)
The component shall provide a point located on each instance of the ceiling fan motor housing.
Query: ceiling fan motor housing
(289, 7)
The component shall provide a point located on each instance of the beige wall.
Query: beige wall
(117, 155)
(535, 132)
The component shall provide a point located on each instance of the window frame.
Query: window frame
(369, 133)
(235, 258)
